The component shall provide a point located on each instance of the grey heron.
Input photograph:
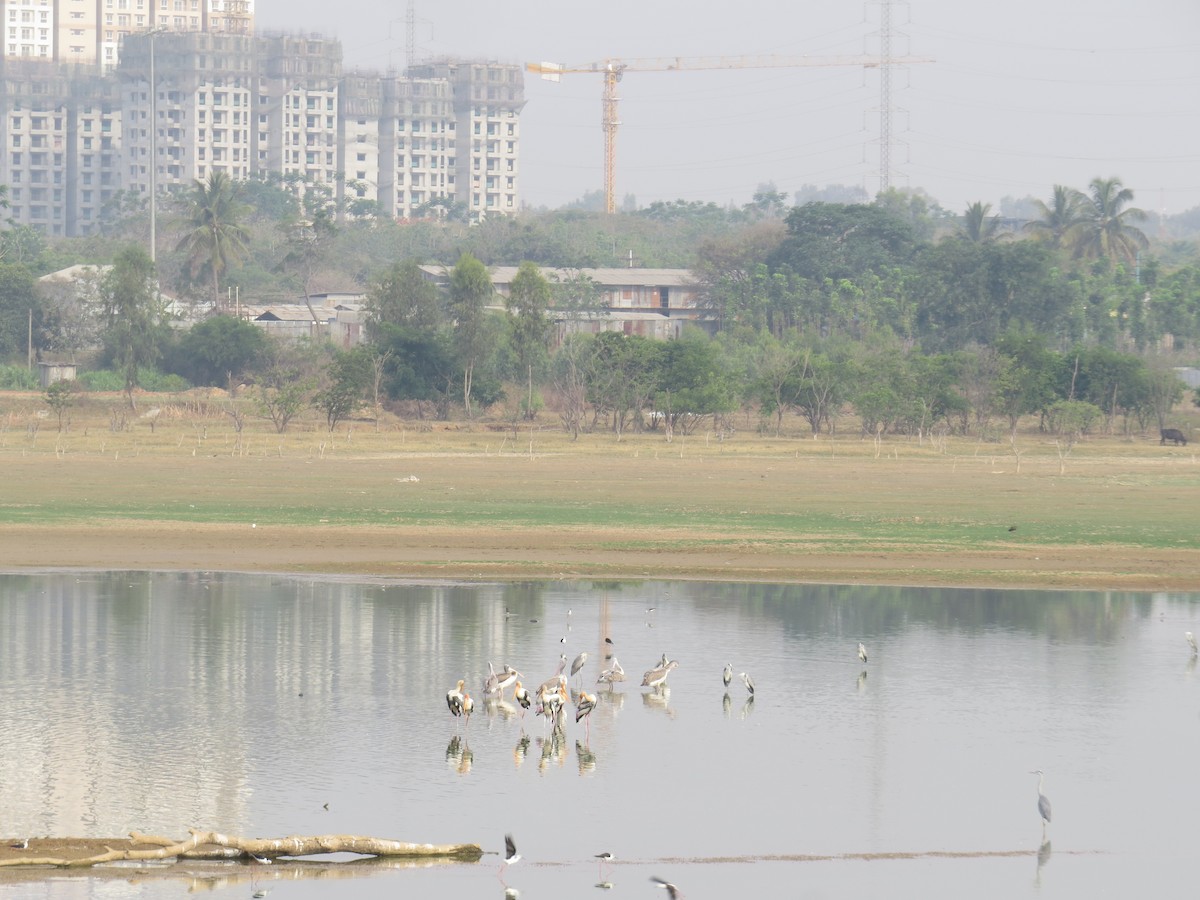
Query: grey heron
(749, 682)
(578, 663)
(727, 675)
(1043, 800)
(862, 651)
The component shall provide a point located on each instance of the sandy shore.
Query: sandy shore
(516, 554)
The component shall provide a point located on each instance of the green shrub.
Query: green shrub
(17, 378)
(148, 380)
(101, 380)
(157, 382)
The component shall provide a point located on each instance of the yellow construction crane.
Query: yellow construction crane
(613, 69)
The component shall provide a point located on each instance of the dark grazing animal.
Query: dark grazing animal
(1174, 435)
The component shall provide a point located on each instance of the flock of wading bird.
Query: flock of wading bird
(551, 700)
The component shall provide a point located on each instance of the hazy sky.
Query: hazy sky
(1020, 96)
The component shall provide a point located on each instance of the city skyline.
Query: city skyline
(1015, 101)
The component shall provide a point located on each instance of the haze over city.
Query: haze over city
(1018, 96)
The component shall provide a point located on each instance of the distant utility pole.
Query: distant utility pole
(888, 61)
(410, 42)
(885, 95)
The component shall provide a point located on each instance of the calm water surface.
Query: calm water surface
(245, 704)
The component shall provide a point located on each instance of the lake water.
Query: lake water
(246, 704)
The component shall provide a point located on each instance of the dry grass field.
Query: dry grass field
(175, 486)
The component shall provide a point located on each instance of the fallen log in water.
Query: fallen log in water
(214, 845)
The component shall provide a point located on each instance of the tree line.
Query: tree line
(910, 320)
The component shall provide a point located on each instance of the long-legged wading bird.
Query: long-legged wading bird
(658, 676)
(454, 699)
(672, 891)
(1043, 800)
(522, 697)
(748, 681)
(511, 856)
(507, 677)
(583, 710)
(727, 675)
(612, 674)
(578, 663)
(557, 678)
(604, 857)
(862, 651)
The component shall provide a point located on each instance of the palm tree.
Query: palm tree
(214, 237)
(977, 227)
(1103, 228)
(1058, 216)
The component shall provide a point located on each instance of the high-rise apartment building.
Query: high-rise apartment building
(296, 108)
(487, 101)
(90, 32)
(439, 141)
(29, 29)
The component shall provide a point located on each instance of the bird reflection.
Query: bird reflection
(726, 704)
(459, 755)
(520, 750)
(554, 749)
(611, 701)
(1191, 665)
(587, 758)
(659, 698)
(501, 708)
(1043, 857)
(862, 679)
(748, 707)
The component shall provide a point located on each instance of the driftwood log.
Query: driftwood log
(214, 845)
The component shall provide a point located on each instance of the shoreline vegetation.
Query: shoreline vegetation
(183, 484)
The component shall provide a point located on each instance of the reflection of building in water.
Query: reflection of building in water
(162, 701)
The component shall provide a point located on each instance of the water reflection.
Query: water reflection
(658, 699)
(554, 749)
(501, 708)
(459, 755)
(748, 707)
(521, 749)
(586, 757)
(107, 685)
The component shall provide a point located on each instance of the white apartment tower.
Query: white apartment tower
(359, 139)
(90, 32)
(296, 108)
(440, 141)
(29, 29)
(60, 147)
(200, 120)
(487, 99)
(77, 23)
